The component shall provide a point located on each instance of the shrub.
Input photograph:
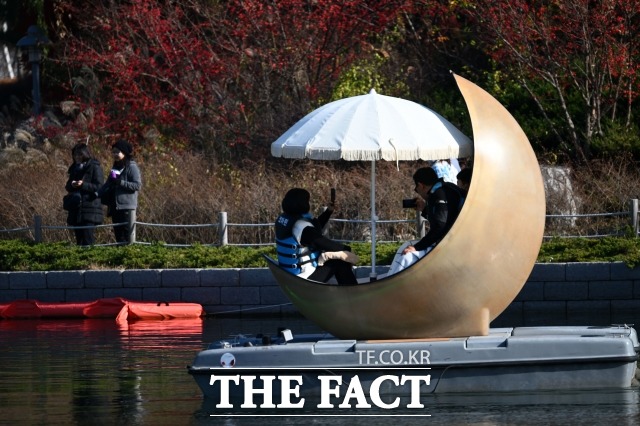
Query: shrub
(18, 255)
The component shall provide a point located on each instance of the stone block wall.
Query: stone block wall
(576, 294)
(555, 294)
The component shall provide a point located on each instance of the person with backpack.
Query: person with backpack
(439, 202)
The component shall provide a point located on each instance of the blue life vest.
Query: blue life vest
(291, 254)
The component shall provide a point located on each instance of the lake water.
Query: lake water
(100, 373)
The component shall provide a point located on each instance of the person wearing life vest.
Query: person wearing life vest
(440, 203)
(303, 250)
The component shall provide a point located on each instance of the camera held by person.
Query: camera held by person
(409, 203)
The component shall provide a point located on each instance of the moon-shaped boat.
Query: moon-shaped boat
(477, 269)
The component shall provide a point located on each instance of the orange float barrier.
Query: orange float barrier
(105, 308)
(117, 307)
(34, 309)
(159, 311)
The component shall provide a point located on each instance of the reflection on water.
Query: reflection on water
(94, 371)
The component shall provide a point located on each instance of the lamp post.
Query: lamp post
(33, 42)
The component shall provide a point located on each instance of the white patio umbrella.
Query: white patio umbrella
(369, 128)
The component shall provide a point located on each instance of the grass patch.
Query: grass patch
(19, 255)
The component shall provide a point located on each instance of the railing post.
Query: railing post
(634, 217)
(37, 228)
(222, 229)
(325, 230)
(132, 226)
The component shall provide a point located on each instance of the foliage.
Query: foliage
(211, 75)
(617, 139)
(583, 52)
(608, 249)
(151, 64)
(225, 78)
(363, 76)
(18, 255)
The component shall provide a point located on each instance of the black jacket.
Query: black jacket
(312, 235)
(442, 209)
(90, 208)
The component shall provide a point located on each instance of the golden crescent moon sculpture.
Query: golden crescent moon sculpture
(477, 269)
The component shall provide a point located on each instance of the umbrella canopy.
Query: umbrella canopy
(369, 128)
(372, 127)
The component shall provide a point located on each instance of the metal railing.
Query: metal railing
(557, 226)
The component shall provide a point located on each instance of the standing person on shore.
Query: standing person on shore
(120, 192)
(85, 177)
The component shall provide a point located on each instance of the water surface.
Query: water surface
(101, 373)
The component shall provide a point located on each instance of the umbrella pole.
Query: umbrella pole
(374, 218)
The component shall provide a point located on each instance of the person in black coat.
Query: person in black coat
(85, 178)
(440, 203)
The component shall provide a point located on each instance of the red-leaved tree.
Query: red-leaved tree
(213, 75)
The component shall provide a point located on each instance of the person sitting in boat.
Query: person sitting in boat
(440, 203)
(445, 170)
(303, 250)
(464, 180)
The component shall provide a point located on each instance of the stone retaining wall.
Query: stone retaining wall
(555, 294)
